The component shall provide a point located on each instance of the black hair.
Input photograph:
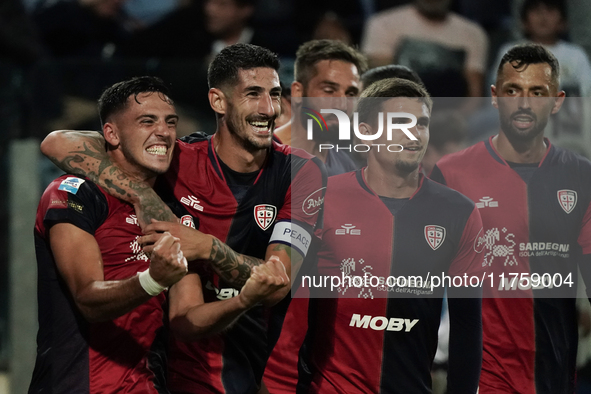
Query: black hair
(389, 88)
(114, 98)
(223, 70)
(522, 55)
(314, 51)
(390, 71)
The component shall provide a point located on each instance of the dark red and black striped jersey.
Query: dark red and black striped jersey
(73, 355)
(281, 206)
(370, 339)
(542, 226)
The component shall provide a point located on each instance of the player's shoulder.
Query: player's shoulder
(295, 158)
(445, 197)
(343, 180)
(197, 140)
(567, 158)
(464, 157)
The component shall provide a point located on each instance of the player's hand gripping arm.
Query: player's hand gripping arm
(191, 318)
(233, 267)
(83, 153)
(79, 262)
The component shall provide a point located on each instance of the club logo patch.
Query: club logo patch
(567, 199)
(264, 215)
(435, 235)
(187, 220)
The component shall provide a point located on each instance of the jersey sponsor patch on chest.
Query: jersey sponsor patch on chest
(435, 235)
(264, 215)
(567, 199)
(380, 323)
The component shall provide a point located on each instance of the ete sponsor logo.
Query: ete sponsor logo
(264, 215)
(193, 202)
(487, 202)
(313, 202)
(132, 219)
(381, 323)
(567, 199)
(348, 229)
(435, 235)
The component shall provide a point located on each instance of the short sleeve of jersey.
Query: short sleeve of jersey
(585, 233)
(302, 208)
(468, 259)
(76, 201)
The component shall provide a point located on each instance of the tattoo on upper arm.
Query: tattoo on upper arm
(91, 160)
(231, 266)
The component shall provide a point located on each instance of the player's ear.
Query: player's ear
(493, 93)
(110, 133)
(297, 89)
(558, 101)
(217, 100)
(365, 128)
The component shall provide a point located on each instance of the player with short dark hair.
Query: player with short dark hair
(388, 220)
(95, 283)
(534, 199)
(253, 199)
(389, 71)
(312, 52)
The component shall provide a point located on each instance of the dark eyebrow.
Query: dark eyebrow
(331, 83)
(172, 116)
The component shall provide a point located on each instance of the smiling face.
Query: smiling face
(525, 98)
(142, 135)
(252, 106)
(410, 157)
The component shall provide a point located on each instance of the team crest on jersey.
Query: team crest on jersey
(567, 199)
(435, 235)
(264, 215)
(187, 220)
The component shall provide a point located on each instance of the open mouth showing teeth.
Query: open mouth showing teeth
(260, 126)
(413, 148)
(158, 150)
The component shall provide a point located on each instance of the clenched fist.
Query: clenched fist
(264, 280)
(167, 263)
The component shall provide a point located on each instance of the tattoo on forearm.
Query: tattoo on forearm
(91, 160)
(231, 266)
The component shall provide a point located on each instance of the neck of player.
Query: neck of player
(132, 171)
(235, 155)
(520, 151)
(390, 181)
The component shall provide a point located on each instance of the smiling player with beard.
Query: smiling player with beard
(534, 199)
(253, 199)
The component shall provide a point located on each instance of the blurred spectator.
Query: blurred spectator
(148, 12)
(330, 27)
(446, 50)
(330, 16)
(545, 22)
(90, 28)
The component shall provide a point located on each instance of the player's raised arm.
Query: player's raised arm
(84, 153)
(191, 318)
(79, 262)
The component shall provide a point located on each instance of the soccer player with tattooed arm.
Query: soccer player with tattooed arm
(253, 200)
